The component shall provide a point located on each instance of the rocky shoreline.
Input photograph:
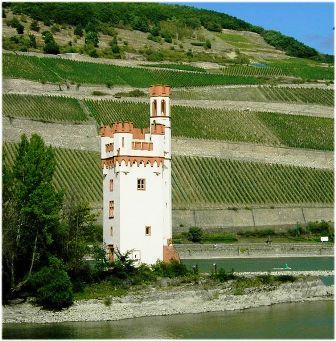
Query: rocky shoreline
(183, 299)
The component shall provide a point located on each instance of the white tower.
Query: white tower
(137, 204)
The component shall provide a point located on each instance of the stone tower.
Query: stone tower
(137, 202)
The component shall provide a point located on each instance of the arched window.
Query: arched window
(154, 108)
(163, 107)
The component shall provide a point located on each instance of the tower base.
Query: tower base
(169, 253)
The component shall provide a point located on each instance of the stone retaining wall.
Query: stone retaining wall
(205, 251)
(242, 219)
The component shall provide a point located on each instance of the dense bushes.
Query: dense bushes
(52, 286)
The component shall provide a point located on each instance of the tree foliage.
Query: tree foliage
(146, 16)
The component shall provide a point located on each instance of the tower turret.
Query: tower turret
(160, 104)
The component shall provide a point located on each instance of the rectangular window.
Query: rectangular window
(111, 231)
(147, 230)
(111, 185)
(111, 209)
(123, 142)
(141, 184)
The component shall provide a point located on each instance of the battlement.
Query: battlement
(159, 91)
(128, 127)
(131, 160)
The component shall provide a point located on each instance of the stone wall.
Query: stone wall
(243, 219)
(204, 251)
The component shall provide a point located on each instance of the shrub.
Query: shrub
(321, 227)
(285, 278)
(51, 47)
(207, 44)
(223, 276)
(170, 269)
(195, 234)
(34, 26)
(52, 286)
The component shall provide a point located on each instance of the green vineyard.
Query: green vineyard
(77, 172)
(58, 70)
(201, 182)
(238, 126)
(260, 94)
(43, 108)
(301, 131)
(241, 70)
(184, 67)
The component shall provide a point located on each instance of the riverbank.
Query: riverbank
(170, 300)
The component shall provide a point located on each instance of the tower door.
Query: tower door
(136, 256)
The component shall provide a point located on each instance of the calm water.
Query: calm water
(297, 320)
(263, 264)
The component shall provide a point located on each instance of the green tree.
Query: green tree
(34, 207)
(114, 46)
(78, 31)
(91, 38)
(207, 44)
(50, 45)
(195, 234)
(34, 26)
(32, 41)
(52, 286)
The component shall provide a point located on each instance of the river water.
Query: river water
(301, 321)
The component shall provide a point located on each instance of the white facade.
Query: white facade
(136, 165)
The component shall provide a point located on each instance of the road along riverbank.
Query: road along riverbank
(168, 300)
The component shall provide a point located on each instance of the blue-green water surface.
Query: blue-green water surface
(309, 320)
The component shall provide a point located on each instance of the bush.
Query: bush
(319, 227)
(34, 26)
(223, 276)
(52, 286)
(170, 269)
(207, 44)
(195, 234)
(51, 47)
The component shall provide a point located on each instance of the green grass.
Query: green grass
(260, 94)
(301, 131)
(45, 108)
(201, 182)
(239, 126)
(234, 38)
(57, 70)
(99, 291)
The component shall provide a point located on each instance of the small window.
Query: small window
(163, 107)
(111, 185)
(141, 184)
(111, 209)
(154, 107)
(123, 142)
(111, 231)
(147, 230)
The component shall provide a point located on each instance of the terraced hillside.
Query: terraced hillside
(261, 94)
(44, 108)
(201, 182)
(239, 126)
(59, 70)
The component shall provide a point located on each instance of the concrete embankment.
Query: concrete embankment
(253, 250)
(189, 299)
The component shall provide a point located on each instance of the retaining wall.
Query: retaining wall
(243, 219)
(204, 251)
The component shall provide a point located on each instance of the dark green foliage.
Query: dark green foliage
(320, 228)
(91, 38)
(123, 266)
(223, 276)
(50, 45)
(78, 31)
(288, 44)
(195, 234)
(145, 16)
(52, 286)
(32, 41)
(55, 28)
(115, 48)
(285, 278)
(171, 269)
(34, 26)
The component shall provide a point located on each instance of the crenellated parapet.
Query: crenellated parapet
(132, 160)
